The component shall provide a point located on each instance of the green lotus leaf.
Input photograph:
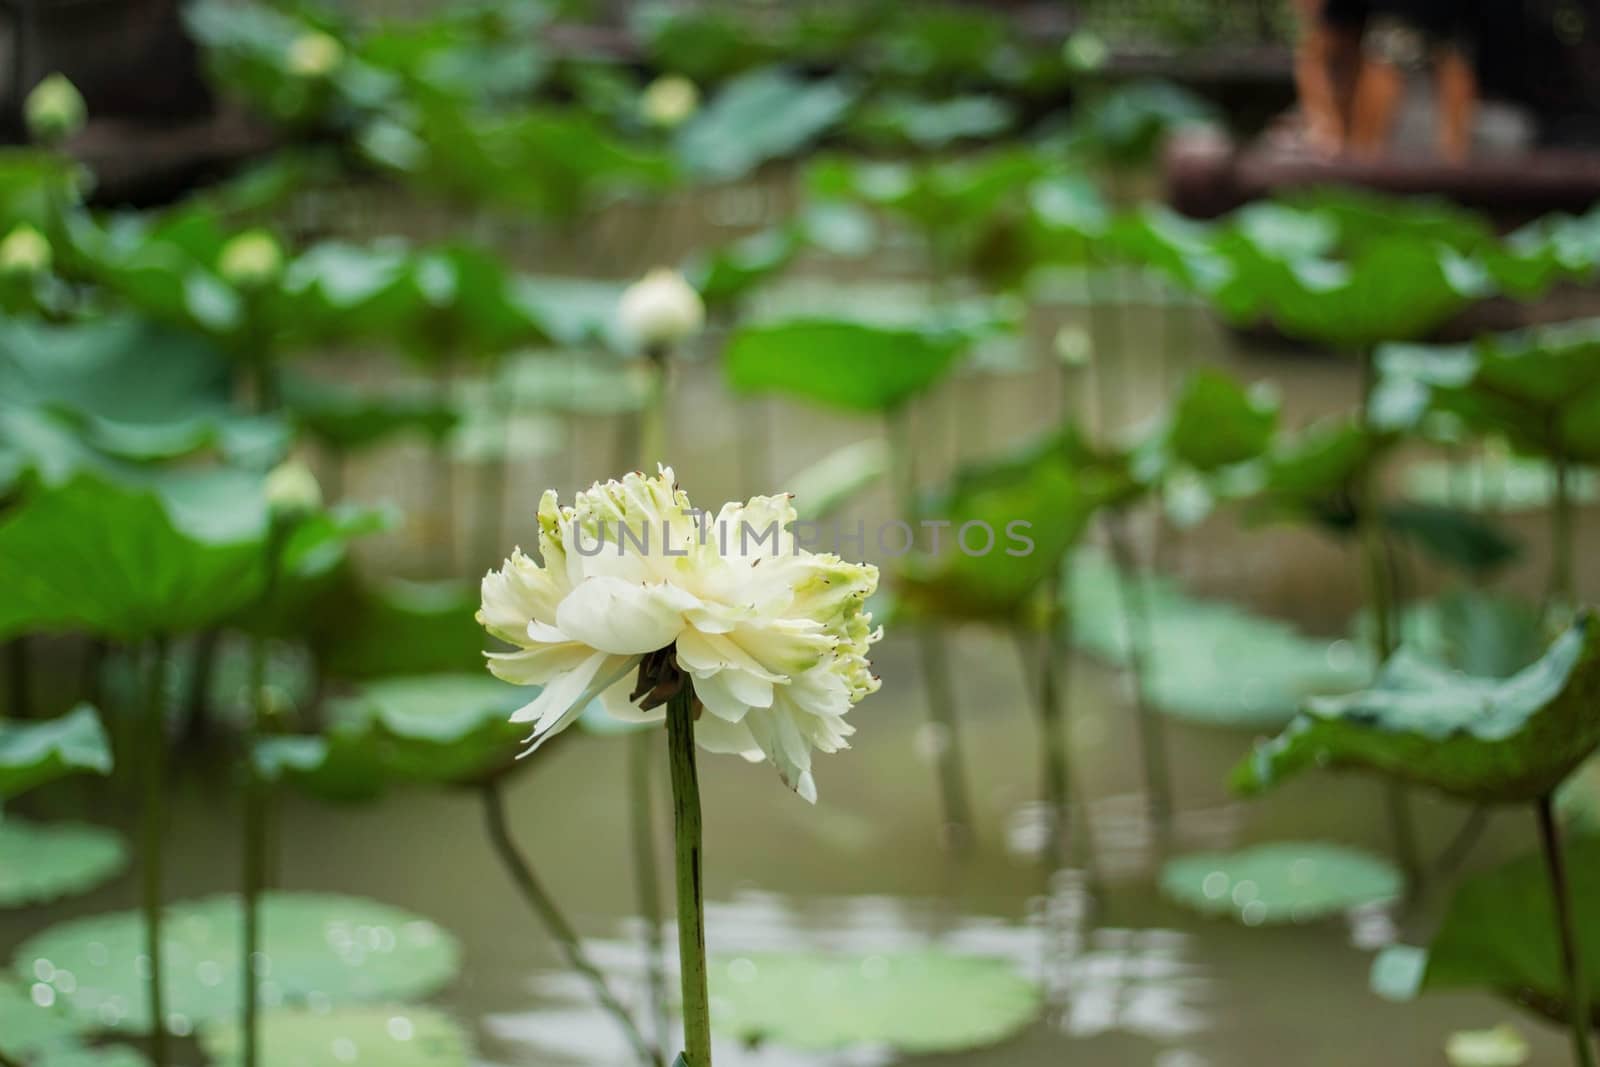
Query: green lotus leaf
(1457, 538)
(905, 120)
(123, 562)
(757, 117)
(1216, 423)
(33, 753)
(55, 860)
(843, 363)
(1281, 882)
(1210, 661)
(393, 1035)
(438, 729)
(375, 630)
(1505, 741)
(98, 374)
(318, 948)
(1180, 248)
(1540, 388)
(1127, 126)
(914, 1002)
(1047, 493)
(574, 311)
(1499, 934)
(725, 274)
(345, 418)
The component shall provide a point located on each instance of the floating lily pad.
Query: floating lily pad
(914, 1002)
(46, 862)
(1211, 661)
(391, 1035)
(1502, 1046)
(1284, 882)
(319, 949)
(32, 754)
(1485, 740)
(1499, 934)
(27, 1027)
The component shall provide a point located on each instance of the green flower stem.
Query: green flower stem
(18, 678)
(1578, 1009)
(544, 906)
(255, 855)
(931, 654)
(1563, 584)
(648, 877)
(151, 817)
(653, 416)
(688, 835)
(1136, 617)
(1369, 522)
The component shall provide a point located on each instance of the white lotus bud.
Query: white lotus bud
(251, 260)
(661, 309)
(314, 55)
(669, 101)
(1085, 52)
(54, 110)
(292, 490)
(25, 251)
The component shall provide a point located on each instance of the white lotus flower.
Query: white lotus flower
(54, 110)
(669, 101)
(291, 490)
(660, 309)
(773, 638)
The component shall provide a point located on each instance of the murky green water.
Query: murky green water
(1130, 978)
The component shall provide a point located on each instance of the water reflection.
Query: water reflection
(1142, 983)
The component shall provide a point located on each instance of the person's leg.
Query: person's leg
(1314, 77)
(1380, 88)
(1457, 91)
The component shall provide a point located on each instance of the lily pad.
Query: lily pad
(54, 860)
(1211, 662)
(914, 1002)
(1499, 934)
(32, 754)
(1504, 741)
(1283, 882)
(318, 948)
(393, 1035)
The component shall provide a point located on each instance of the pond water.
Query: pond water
(1130, 978)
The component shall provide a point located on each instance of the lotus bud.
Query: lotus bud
(24, 252)
(314, 55)
(54, 110)
(251, 260)
(669, 101)
(660, 310)
(1074, 346)
(292, 491)
(1502, 1046)
(1085, 52)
